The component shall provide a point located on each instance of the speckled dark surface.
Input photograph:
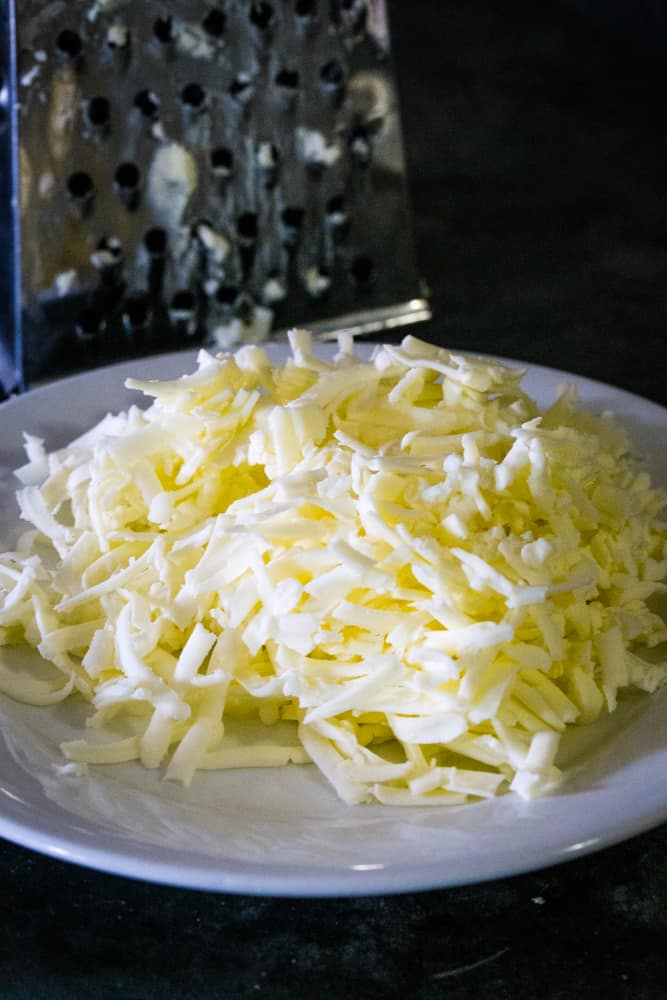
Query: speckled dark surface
(592, 928)
(537, 158)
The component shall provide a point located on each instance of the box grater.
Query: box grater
(183, 172)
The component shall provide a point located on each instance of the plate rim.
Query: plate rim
(326, 347)
(286, 879)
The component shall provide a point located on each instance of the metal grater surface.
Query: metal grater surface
(200, 172)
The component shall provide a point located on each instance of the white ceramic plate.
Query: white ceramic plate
(284, 832)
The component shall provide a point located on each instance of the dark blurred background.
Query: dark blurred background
(537, 149)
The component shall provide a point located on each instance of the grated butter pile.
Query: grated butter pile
(403, 558)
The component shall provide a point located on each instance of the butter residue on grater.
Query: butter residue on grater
(207, 173)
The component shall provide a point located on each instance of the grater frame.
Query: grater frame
(73, 315)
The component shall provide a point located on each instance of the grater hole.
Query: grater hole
(306, 8)
(80, 185)
(362, 271)
(336, 217)
(246, 226)
(332, 74)
(241, 88)
(136, 311)
(335, 205)
(193, 96)
(287, 78)
(163, 30)
(108, 255)
(226, 295)
(183, 301)
(215, 23)
(332, 81)
(222, 159)
(112, 245)
(89, 324)
(292, 217)
(147, 103)
(98, 112)
(155, 241)
(69, 44)
(182, 312)
(244, 308)
(127, 177)
(291, 223)
(261, 15)
(127, 182)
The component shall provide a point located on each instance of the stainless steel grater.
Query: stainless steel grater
(201, 172)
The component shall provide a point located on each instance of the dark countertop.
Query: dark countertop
(537, 155)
